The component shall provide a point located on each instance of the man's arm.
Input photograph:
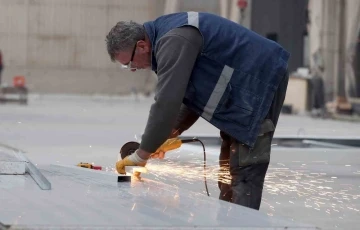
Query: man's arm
(176, 54)
(185, 120)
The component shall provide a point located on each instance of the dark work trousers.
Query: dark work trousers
(248, 167)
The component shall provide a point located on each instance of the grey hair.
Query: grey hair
(123, 36)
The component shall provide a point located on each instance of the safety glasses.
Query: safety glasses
(128, 66)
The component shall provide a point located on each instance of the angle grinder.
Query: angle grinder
(128, 149)
(170, 144)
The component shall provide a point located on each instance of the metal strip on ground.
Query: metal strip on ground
(22, 162)
(38, 177)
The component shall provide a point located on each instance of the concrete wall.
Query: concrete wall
(355, 90)
(211, 6)
(59, 45)
(324, 31)
(285, 18)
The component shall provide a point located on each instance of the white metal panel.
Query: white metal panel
(94, 174)
(85, 201)
(12, 168)
(10, 163)
(13, 181)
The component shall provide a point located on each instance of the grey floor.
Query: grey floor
(315, 186)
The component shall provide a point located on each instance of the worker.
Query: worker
(1, 66)
(210, 67)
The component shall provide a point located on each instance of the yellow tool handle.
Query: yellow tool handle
(85, 165)
(170, 144)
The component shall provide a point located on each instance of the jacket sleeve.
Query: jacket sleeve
(176, 57)
(185, 119)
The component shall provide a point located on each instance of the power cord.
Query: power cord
(197, 140)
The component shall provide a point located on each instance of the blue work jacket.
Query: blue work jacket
(236, 75)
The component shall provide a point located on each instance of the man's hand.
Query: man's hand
(158, 155)
(139, 157)
(161, 154)
(169, 144)
(132, 160)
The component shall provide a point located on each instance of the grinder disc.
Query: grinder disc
(129, 148)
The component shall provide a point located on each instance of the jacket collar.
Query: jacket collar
(151, 33)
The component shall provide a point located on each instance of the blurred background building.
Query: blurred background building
(59, 45)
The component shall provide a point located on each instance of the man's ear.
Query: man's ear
(143, 46)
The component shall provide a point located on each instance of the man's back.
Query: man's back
(234, 77)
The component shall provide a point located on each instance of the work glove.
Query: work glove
(131, 160)
(169, 144)
(135, 160)
(160, 154)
